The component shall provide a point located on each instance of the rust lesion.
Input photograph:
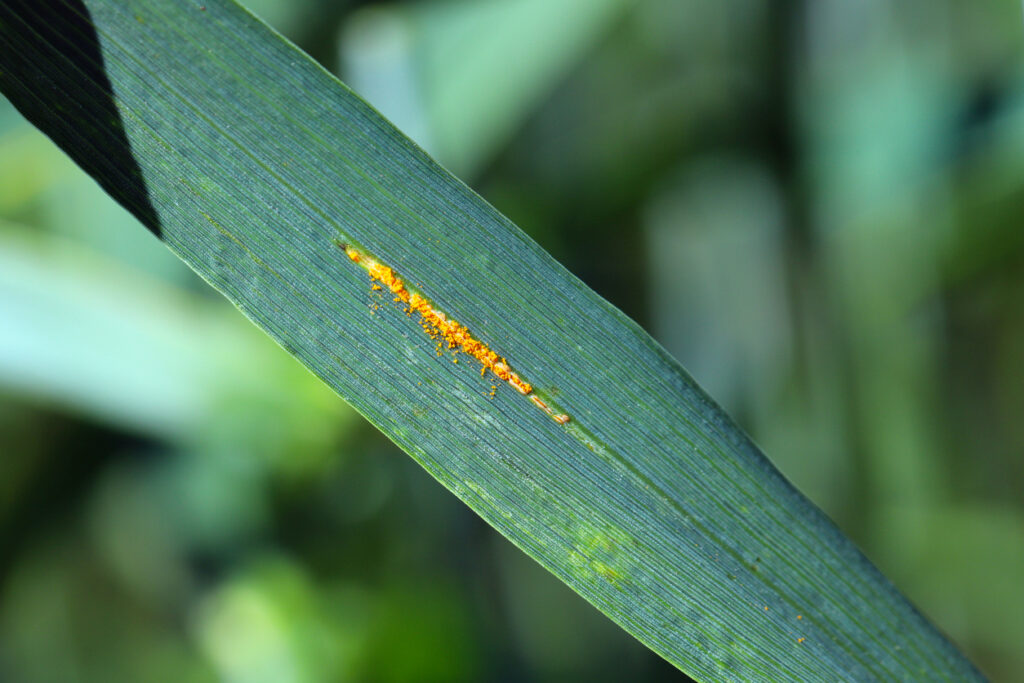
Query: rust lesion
(448, 333)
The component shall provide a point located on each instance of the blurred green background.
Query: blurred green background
(816, 205)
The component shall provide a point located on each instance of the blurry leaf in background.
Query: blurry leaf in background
(271, 622)
(294, 18)
(441, 73)
(43, 188)
(731, 319)
(65, 308)
(64, 618)
(720, 297)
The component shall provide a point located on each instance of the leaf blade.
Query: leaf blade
(250, 161)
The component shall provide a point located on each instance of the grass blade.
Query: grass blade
(253, 164)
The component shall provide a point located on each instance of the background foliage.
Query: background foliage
(814, 205)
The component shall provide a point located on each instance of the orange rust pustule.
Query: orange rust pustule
(445, 331)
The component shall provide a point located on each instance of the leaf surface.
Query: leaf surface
(252, 163)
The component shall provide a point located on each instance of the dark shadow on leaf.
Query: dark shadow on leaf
(52, 71)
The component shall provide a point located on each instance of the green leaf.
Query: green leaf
(252, 163)
(63, 309)
(433, 64)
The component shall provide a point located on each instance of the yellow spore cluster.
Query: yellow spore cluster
(447, 332)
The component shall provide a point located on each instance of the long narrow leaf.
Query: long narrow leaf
(607, 464)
